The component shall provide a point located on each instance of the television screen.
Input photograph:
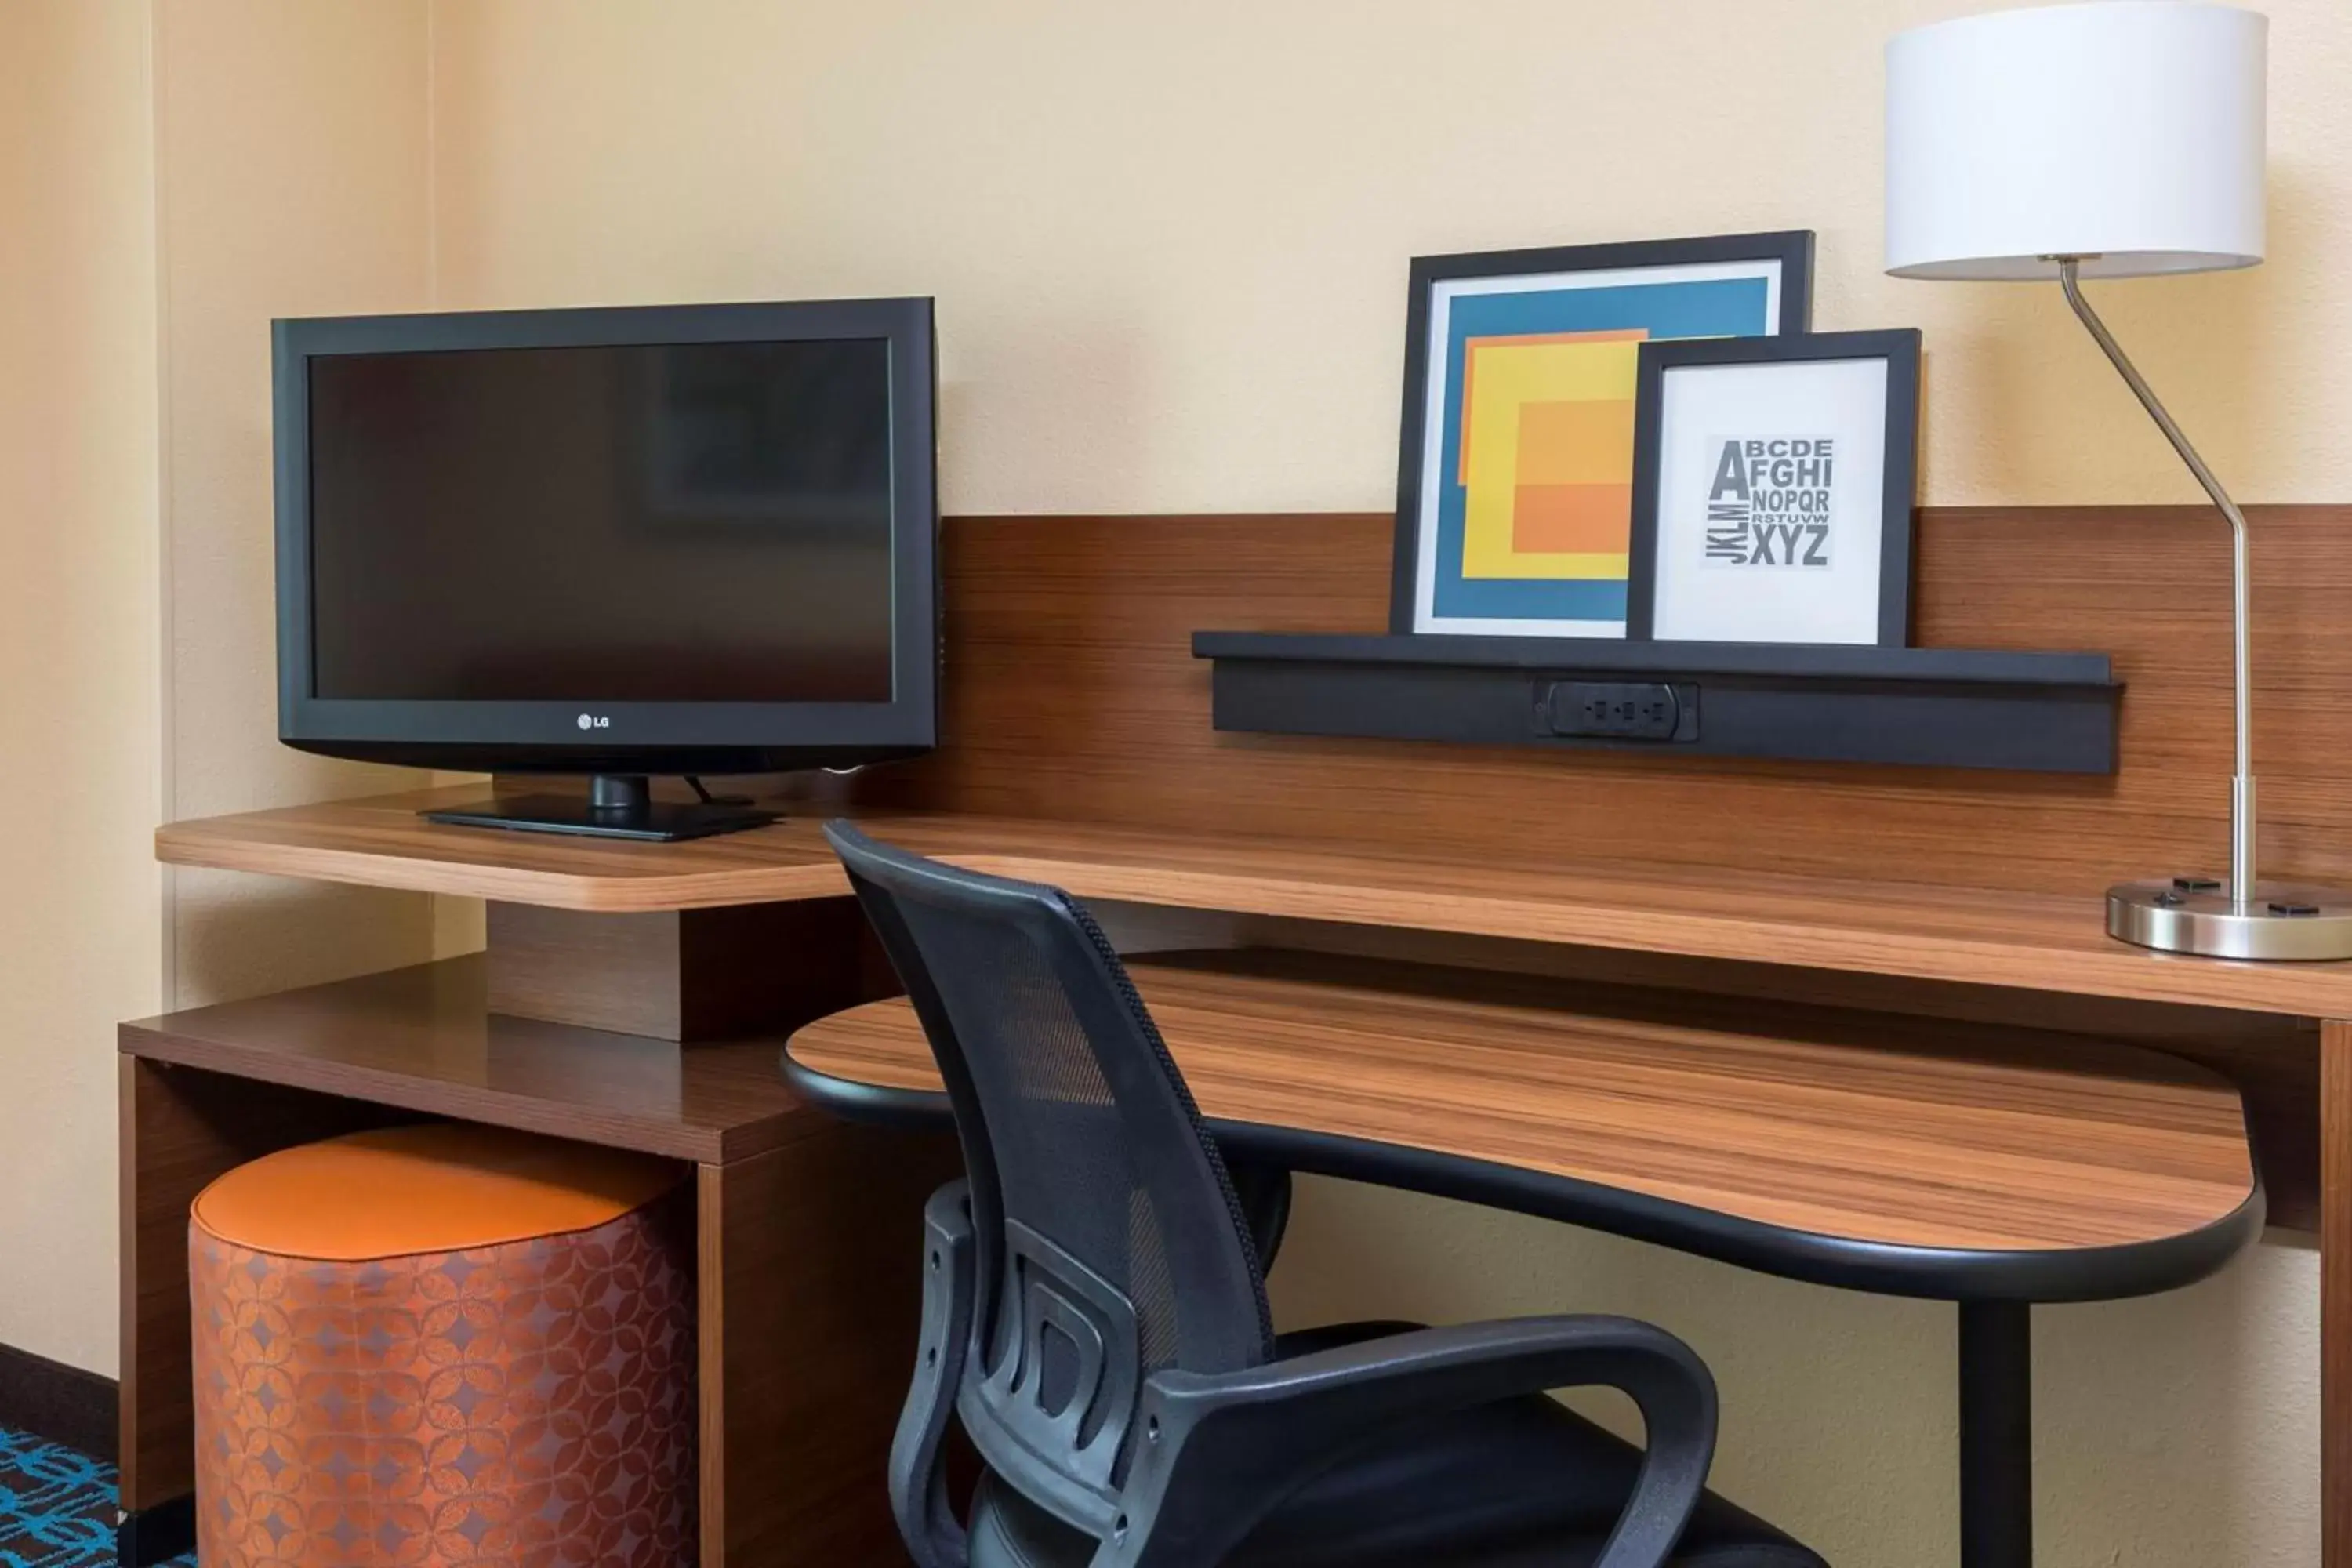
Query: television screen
(701, 522)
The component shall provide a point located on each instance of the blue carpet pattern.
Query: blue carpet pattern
(57, 1506)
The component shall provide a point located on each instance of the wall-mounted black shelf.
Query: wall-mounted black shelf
(1930, 706)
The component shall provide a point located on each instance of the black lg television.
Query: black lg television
(620, 543)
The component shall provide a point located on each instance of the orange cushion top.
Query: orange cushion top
(440, 1187)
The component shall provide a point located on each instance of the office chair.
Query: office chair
(1095, 1313)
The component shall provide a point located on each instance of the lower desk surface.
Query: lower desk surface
(423, 1039)
(1884, 1152)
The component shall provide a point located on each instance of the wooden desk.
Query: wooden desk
(1940, 951)
(1996, 1167)
(1913, 931)
(1902, 1155)
(1071, 694)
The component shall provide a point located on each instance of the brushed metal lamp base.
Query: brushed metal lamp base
(2282, 921)
(2241, 916)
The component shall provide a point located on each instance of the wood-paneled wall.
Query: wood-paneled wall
(1071, 692)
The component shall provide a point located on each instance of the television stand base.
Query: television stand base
(618, 805)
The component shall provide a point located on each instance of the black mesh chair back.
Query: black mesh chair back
(1109, 1243)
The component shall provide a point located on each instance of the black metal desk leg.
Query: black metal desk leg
(1996, 1434)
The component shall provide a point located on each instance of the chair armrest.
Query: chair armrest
(1215, 1453)
(919, 1490)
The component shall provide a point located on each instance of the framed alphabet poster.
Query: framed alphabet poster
(1515, 475)
(1773, 490)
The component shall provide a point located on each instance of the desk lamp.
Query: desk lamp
(2115, 140)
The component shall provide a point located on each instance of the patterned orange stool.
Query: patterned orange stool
(441, 1345)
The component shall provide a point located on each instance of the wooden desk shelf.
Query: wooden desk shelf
(423, 1039)
(1890, 1153)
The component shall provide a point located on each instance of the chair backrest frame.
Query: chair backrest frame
(1108, 1240)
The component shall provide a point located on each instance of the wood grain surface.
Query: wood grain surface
(810, 1295)
(2273, 1059)
(1071, 696)
(2038, 941)
(423, 1039)
(676, 974)
(381, 842)
(1072, 702)
(1071, 693)
(1876, 1128)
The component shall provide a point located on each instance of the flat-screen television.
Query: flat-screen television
(620, 543)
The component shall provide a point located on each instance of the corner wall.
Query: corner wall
(172, 174)
(293, 169)
(78, 645)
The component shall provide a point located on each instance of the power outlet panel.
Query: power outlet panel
(1619, 710)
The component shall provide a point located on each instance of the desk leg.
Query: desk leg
(2335, 1294)
(1996, 1434)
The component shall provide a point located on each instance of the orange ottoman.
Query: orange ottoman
(442, 1345)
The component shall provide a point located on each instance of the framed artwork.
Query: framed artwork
(1773, 488)
(1515, 476)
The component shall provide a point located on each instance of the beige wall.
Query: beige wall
(1169, 241)
(172, 174)
(1169, 244)
(291, 153)
(78, 645)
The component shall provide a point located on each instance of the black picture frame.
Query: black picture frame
(1793, 248)
(1901, 347)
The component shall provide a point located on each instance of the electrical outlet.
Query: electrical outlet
(1642, 711)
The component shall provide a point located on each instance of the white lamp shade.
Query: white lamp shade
(2129, 130)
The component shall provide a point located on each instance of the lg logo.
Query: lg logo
(595, 721)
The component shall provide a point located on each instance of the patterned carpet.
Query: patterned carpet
(57, 1506)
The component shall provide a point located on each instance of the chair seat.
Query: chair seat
(1520, 1483)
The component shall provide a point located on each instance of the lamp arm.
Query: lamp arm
(2241, 784)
